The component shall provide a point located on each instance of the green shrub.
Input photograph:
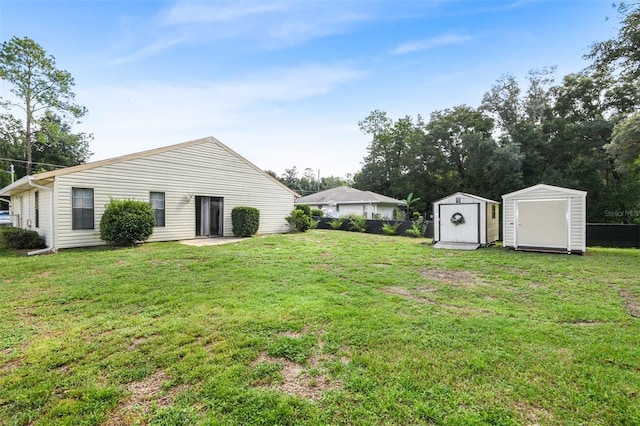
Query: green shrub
(358, 223)
(317, 213)
(305, 208)
(390, 228)
(245, 221)
(300, 220)
(126, 222)
(417, 229)
(21, 239)
(336, 223)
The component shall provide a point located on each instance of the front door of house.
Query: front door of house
(209, 216)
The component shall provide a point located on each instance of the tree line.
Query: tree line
(581, 132)
(309, 182)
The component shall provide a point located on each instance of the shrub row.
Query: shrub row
(387, 227)
(21, 239)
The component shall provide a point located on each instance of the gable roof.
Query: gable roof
(546, 187)
(476, 197)
(347, 195)
(23, 183)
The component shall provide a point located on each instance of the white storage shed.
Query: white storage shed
(545, 218)
(466, 218)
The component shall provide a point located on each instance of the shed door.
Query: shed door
(542, 223)
(466, 232)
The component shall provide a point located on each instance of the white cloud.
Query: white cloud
(250, 110)
(153, 49)
(200, 12)
(311, 26)
(443, 40)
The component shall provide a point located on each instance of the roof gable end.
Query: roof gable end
(546, 187)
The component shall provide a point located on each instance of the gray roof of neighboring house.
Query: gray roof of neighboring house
(347, 195)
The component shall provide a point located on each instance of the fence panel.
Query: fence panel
(613, 235)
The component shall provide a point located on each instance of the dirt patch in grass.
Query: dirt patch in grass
(461, 278)
(143, 395)
(121, 263)
(533, 416)
(586, 323)
(631, 303)
(44, 274)
(403, 292)
(136, 342)
(10, 365)
(296, 380)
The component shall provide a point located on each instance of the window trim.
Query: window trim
(37, 208)
(83, 210)
(159, 211)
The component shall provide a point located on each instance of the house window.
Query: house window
(493, 211)
(157, 205)
(82, 208)
(37, 205)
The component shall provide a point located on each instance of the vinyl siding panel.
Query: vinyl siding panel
(345, 209)
(577, 211)
(206, 169)
(24, 205)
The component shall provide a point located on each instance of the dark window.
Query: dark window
(157, 204)
(493, 211)
(37, 203)
(82, 208)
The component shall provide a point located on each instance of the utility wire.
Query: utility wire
(33, 162)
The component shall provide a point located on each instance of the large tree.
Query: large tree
(37, 85)
(621, 53)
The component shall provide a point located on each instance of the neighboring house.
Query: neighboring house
(343, 201)
(192, 187)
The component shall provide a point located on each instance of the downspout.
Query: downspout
(52, 247)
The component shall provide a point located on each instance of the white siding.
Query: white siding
(385, 211)
(346, 209)
(206, 169)
(24, 205)
(577, 201)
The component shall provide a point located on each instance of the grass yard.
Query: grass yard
(325, 327)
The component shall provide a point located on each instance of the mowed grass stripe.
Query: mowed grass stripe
(325, 327)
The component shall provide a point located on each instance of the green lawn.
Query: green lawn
(326, 327)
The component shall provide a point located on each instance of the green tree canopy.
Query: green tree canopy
(38, 86)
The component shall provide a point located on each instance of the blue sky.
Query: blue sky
(285, 82)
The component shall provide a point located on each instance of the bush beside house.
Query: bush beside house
(300, 218)
(245, 221)
(126, 222)
(21, 239)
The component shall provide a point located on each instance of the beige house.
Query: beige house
(192, 187)
(343, 200)
(545, 218)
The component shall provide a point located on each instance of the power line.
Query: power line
(33, 162)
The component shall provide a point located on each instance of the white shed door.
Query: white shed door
(542, 223)
(466, 232)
